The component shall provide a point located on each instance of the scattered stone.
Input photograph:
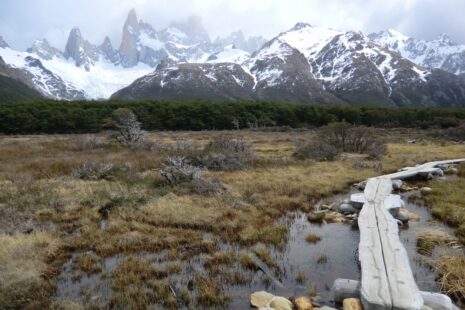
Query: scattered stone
(397, 184)
(335, 217)
(352, 304)
(345, 288)
(281, 303)
(406, 188)
(413, 216)
(346, 208)
(403, 215)
(327, 308)
(426, 190)
(261, 299)
(303, 303)
(357, 200)
(437, 301)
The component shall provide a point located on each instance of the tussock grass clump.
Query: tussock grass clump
(447, 203)
(210, 292)
(23, 262)
(322, 259)
(428, 239)
(89, 263)
(135, 272)
(248, 263)
(313, 238)
(220, 258)
(452, 275)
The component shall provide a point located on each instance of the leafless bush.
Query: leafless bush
(130, 133)
(178, 170)
(340, 137)
(226, 154)
(456, 133)
(317, 150)
(93, 171)
(348, 138)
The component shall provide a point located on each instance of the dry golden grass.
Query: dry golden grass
(452, 275)
(23, 265)
(447, 202)
(143, 215)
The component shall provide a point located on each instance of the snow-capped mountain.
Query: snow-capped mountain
(312, 64)
(441, 53)
(87, 71)
(304, 64)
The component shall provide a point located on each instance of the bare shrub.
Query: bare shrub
(348, 138)
(336, 138)
(225, 153)
(130, 133)
(317, 150)
(456, 133)
(93, 171)
(178, 170)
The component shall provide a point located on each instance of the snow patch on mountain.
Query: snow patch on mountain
(103, 80)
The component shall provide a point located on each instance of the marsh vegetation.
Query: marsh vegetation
(175, 220)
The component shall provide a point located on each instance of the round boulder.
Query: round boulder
(281, 303)
(303, 303)
(261, 299)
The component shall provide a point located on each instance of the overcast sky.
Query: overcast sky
(22, 21)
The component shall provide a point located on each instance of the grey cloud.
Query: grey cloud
(22, 21)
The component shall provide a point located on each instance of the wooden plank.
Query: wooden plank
(414, 170)
(404, 291)
(374, 290)
(387, 280)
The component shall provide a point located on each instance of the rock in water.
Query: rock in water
(352, 304)
(403, 215)
(303, 303)
(261, 299)
(281, 303)
(397, 184)
(426, 190)
(346, 208)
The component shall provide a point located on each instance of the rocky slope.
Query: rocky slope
(441, 53)
(305, 64)
(311, 64)
(12, 87)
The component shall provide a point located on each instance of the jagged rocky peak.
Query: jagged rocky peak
(83, 53)
(3, 43)
(44, 50)
(106, 48)
(128, 49)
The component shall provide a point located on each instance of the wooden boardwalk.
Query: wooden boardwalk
(387, 279)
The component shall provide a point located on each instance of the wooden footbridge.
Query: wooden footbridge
(387, 281)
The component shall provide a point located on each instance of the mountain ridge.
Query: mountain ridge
(305, 64)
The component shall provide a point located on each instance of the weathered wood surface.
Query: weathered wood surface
(413, 171)
(387, 279)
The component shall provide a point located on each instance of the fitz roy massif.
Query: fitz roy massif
(306, 64)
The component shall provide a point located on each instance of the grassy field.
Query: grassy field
(51, 218)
